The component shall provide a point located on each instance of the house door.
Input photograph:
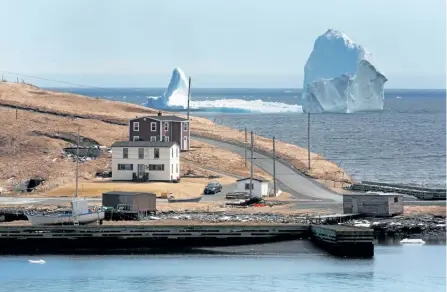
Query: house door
(355, 206)
(185, 143)
(140, 170)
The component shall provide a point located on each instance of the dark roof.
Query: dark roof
(143, 144)
(119, 193)
(254, 178)
(164, 118)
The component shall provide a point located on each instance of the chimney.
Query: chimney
(159, 113)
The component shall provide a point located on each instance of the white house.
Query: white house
(260, 187)
(145, 161)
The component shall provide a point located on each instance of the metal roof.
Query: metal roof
(143, 144)
(127, 193)
(164, 118)
(254, 178)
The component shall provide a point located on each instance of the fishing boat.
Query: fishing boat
(79, 214)
(172, 199)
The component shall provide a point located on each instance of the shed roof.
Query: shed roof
(127, 193)
(259, 179)
(164, 118)
(143, 144)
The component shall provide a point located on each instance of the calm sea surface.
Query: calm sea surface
(405, 143)
(394, 268)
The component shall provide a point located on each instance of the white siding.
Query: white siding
(165, 158)
(260, 189)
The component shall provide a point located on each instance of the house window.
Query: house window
(125, 153)
(166, 126)
(125, 166)
(136, 138)
(176, 151)
(153, 138)
(247, 186)
(156, 153)
(172, 168)
(396, 199)
(140, 153)
(157, 167)
(136, 126)
(153, 126)
(185, 126)
(176, 168)
(166, 138)
(172, 152)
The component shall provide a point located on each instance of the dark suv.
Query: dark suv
(213, 188)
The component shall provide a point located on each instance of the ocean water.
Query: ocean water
(394, 268)
(404, 143)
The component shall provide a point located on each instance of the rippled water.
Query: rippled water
(394, 268)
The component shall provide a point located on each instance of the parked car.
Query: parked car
(212, 188)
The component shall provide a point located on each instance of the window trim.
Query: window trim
(136, 138)
(124, 164)
(152, 167)
(185, 126)
(153, 138)
(126, 153)
(166, 126)
(140, 153)
(136, 126)
(247, 186)
(157, 151)
(153, 126)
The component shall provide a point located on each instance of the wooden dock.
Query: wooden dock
(109, 239)
(345, 241)
(418, 192)
(336, 239)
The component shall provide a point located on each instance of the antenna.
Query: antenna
(189, 94)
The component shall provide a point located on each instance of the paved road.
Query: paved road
(289, 180)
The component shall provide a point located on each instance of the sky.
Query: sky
(219, 43)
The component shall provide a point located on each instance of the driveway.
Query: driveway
(288, 180)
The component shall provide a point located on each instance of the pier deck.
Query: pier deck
(418, 192)
(343, 240)
(57, 239)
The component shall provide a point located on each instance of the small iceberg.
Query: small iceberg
(412, 241)
(36, 262)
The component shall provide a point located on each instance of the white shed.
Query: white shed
(260, 187)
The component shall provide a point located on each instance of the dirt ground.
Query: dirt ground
(425, 210)
(26, 148)
(187, 188)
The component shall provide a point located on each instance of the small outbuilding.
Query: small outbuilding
(131, 202)
(375, 205)
(260, 186)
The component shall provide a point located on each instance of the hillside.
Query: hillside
(31, 145)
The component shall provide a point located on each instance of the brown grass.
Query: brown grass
(25, 155)
(425, 210)
(187, 188)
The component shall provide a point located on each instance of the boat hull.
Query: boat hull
(170, 200)
(65, 218)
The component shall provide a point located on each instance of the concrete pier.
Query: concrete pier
(344, 241)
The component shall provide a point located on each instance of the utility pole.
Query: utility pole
(308, 140)
(77, 164)
(246, 142)
(274, 167)
(251, 164)
(189, 93)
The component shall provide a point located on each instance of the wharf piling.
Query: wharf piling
(344, 241)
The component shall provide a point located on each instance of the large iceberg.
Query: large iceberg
(340, 77)
(175, 96)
